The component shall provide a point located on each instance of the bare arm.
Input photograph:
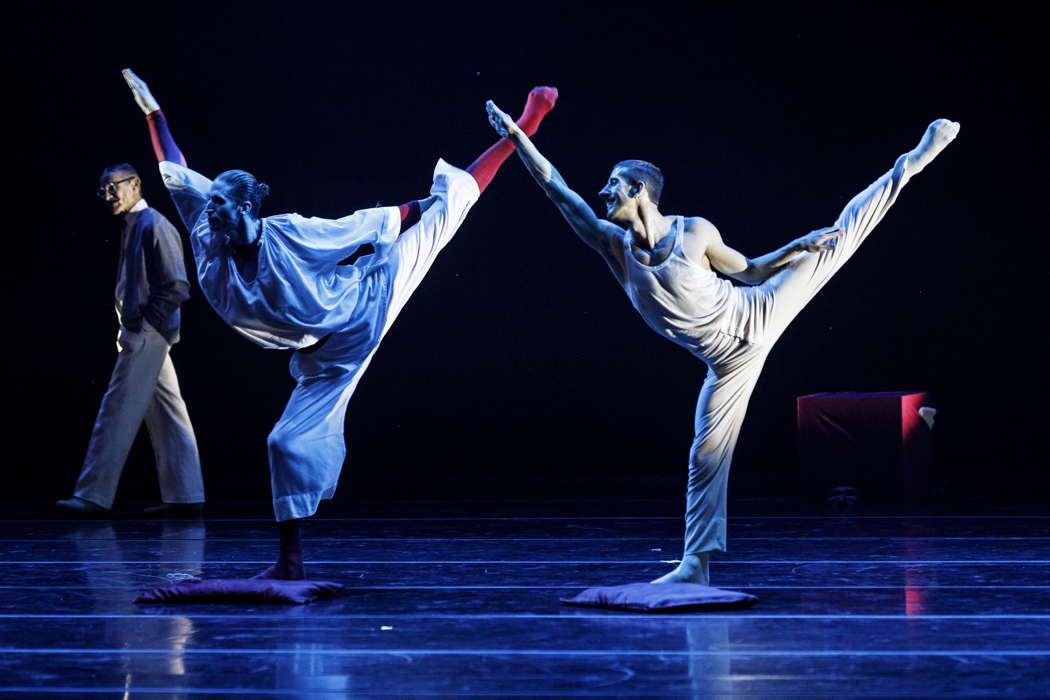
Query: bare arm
(600, 235)
(734, 264)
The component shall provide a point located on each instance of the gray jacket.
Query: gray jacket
(151, 281)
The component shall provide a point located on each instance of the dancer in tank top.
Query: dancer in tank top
(668, 266)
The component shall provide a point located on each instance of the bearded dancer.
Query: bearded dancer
(667, 266)
(286, 282)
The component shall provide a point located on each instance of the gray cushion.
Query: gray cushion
(241, 590)
(662, 597)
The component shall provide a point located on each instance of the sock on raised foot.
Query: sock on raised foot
(410, 213)
(540, 101)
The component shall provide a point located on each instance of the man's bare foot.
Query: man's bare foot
(287, 568)
(938, 135)
(693, 569)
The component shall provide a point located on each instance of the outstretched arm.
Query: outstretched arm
(601, 235)
(189, 190)
(163, 144)
(757, 270)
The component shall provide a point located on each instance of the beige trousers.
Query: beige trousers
(143, 386)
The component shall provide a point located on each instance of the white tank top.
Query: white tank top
(678, 298)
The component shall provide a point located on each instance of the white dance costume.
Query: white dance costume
(293, 292)
(732, 329)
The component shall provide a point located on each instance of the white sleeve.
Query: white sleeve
(189, 190)
(328, 241)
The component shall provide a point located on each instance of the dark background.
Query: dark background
(519, 367)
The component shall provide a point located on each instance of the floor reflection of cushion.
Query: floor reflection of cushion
(241, 590)
(662, 597)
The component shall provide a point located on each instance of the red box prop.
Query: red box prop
(876, 442)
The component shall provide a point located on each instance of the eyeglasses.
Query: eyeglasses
(110, 188)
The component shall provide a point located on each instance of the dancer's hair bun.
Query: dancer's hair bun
(245, 188)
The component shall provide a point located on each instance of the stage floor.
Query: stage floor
(447, 600)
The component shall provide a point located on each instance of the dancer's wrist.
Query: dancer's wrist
(514, 133)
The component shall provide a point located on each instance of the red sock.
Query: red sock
(540, 101)
(410, 214)
(163, 144)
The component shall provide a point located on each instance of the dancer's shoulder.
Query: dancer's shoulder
(699, 235)
(151, 218)
(178, 177)
(698, 224)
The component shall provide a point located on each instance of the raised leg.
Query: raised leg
(428, 225)
(539, 102)
(783, 296)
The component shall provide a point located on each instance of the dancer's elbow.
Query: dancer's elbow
(752, 274)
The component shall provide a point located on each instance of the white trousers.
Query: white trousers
(307, 447)
(734, 364)
(143, 386)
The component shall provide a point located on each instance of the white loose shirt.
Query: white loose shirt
(294, 292)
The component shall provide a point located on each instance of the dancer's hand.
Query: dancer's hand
(501, 121)
(140, 91)
(821, 239)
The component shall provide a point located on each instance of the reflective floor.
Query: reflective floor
(446, 600)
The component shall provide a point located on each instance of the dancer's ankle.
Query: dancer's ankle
(539, 101)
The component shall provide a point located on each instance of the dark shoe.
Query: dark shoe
(79, 508)
(175, 510)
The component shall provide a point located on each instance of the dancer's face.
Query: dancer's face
(120, 190)
(224, 213)
(620, 197)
